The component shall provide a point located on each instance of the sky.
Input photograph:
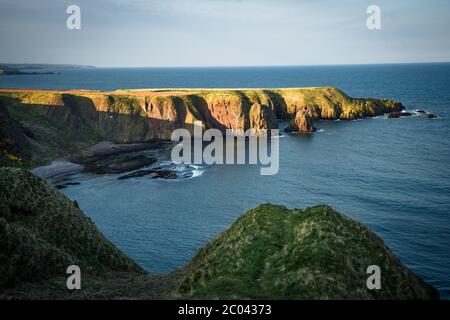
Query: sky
(159, 33)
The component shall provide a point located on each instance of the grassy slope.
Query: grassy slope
(42, 232)
(53, 136)
(315, 253)
(270, 252)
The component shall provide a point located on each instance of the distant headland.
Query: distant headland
(46, 124)
(36, 69)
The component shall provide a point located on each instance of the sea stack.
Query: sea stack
(303, 121)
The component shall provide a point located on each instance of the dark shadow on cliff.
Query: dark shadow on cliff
(45, 132)
(279, 107)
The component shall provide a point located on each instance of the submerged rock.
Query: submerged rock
(67, 184)
(420, 111)
(151, 173)
(118, 163)
(315, 253)
(431, 116)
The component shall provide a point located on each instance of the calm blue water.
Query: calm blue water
(391, 174)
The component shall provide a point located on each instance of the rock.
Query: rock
(166, 174)
(431, 116)
(303, 121)
(65, 185)
(15, 148)
(291, 127)
(394, 115)
(420, 111)
(118, 163)
(399, 114)
(151, 173)
(315, 253)
(58, 170)
(262, 118)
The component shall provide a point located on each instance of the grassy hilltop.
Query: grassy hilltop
(313, 253)
(270, 252)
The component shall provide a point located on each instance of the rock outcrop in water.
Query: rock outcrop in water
(303, 123)
(68, 121)
(269, 253)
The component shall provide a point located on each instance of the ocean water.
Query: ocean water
(393, 175)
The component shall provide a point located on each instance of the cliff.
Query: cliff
(270, 252)
(14, 143)
(65, 121)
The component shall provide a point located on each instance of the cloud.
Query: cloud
(223, 32)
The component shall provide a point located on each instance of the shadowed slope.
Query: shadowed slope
(42, 232)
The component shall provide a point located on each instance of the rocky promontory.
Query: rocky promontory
(270, 252)
(57, 123)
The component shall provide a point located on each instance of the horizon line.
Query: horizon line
(276, 65)
(228, 66)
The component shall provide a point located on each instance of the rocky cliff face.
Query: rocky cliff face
(65, 121)
(14, 144)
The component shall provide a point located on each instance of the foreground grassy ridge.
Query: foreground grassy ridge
(270, 252)
(42, 232)
(315, 253)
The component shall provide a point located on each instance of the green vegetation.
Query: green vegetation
(42, 232)
(50, 128)
(269, 253)
(316, 253)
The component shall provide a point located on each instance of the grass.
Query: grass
(270, 252)
(316, 253)
(42, 232)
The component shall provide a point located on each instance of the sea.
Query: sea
(393, 175)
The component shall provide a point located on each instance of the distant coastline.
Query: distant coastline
(22, 68)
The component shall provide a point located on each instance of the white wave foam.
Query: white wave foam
(197, 173)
